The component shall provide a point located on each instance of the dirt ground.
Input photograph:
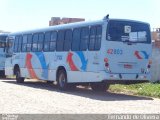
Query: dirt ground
(40, 97)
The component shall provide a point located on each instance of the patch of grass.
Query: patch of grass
(144, 89)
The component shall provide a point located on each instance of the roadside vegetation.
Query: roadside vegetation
(143, 89)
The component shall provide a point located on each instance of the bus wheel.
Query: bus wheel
(99, 87)
(2, 74)
(19, 79)
(62, 80)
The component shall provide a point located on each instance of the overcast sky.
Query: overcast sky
(16, 15)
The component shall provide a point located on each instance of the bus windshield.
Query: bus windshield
(128, 31)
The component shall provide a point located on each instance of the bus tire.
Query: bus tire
(19, 79)
(62, 80)
(100, 87)
(2, 74)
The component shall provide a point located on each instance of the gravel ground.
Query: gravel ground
(40, 97)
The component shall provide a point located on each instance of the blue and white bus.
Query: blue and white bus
(97, 53)
(3, 37)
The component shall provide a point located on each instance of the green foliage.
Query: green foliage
(144, 89)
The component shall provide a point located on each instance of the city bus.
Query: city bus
(95, 53)
(3, 37)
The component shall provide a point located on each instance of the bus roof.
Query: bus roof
(4, 34)
(70, 25)
(59, 27)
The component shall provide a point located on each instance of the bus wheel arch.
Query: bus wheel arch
(17, 72)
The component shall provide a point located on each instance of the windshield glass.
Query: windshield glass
(128, 31)
(3, 41)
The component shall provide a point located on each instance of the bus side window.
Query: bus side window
(40, 41)
(35, 42)
(84, 38)
(68, 40)
(92, 38)
(15, 49)
(60, 40)
(20, 43)
(53, 41)
(76, 39)
(24, 44)
(29, 42)
(98, 38)
(47, 41)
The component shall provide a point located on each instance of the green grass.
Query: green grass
(144, 89)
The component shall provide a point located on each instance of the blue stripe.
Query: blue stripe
(42, 60)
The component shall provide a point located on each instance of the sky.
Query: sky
(17, 15)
